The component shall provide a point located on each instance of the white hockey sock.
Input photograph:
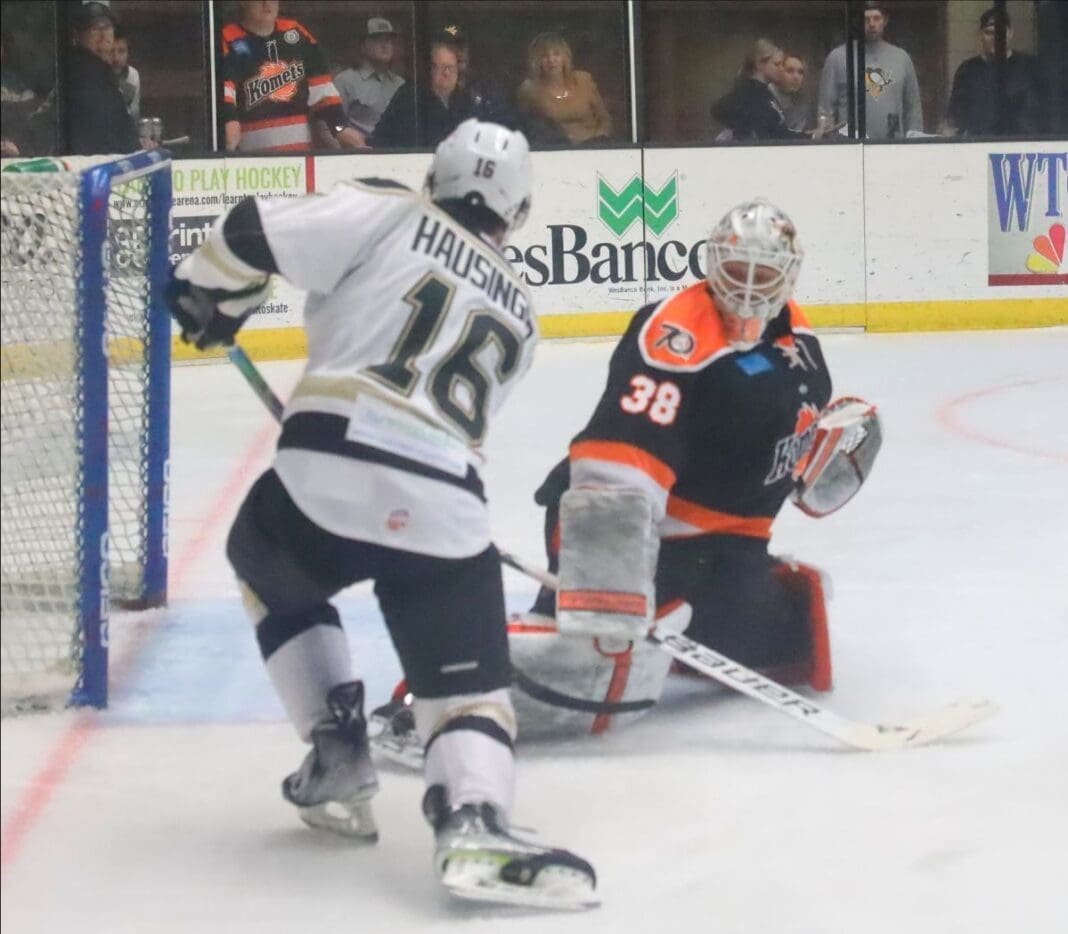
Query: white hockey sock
(304, 669)
(469, 750)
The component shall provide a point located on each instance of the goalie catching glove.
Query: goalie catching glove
(848, 437)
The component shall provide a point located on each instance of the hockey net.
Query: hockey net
(85, 380)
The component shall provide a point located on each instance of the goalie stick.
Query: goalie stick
(857, 734)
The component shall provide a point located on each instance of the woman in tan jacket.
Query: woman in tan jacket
(555, 94)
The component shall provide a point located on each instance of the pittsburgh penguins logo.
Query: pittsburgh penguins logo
(876, 81)
(677, 340)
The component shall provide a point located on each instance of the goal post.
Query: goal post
(85, 414)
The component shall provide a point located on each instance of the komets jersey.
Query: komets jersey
(417, 331)
(272, 84)
(710, 433)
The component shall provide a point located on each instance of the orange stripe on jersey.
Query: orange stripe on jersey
(723, 523)
(602, 601)
(618, 452)
(798, 319)
(286, 147)
(685, 332)
(327, 102)
(230, 33)
(316, 80)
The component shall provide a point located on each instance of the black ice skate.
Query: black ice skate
(476, 858)
(333, 787)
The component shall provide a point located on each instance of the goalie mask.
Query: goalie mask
(484, 164)
(753, 259)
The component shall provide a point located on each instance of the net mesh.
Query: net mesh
(42, 381)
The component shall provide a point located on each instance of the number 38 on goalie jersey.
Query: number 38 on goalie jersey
(417, 330)
(711, 434)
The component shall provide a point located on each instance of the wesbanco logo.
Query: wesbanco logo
(569, 257)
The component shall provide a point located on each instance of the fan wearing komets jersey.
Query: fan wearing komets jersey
(275, 82)
(418, 329)
(715, 412)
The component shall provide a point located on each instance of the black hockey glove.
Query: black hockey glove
(197, 313)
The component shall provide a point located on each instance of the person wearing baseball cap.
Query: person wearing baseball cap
(367, 90)
(96, 120)
(977, 107)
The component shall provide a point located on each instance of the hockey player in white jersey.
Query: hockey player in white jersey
(417, 330)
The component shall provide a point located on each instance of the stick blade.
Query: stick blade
(922, 730)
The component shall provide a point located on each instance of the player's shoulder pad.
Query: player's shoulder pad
(684, 333)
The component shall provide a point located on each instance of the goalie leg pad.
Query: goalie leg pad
(806, 585)
(608, 553)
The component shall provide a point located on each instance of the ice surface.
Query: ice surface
(714, 813)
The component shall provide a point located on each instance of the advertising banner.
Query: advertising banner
(205, 188)
(819, 187)
(1027, 195)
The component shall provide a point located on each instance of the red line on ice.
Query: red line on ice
(947, 415)
(64, 755)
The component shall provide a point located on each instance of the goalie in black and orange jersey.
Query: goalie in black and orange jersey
(715, 412)
(275, 83)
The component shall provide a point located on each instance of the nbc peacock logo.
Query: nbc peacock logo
(1048, 257)
(636, 201)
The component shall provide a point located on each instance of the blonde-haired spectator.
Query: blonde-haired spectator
(555, 95)
(750, 110)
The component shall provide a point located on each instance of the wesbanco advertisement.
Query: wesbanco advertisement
(896, 237)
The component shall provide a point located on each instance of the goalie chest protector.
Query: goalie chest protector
(720, 428)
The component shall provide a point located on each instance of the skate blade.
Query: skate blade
(399, 752)
(556, 889)
(352, 819)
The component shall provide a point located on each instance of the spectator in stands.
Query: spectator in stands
(366, 91)
(441, 104)
(892, 93)
(275, 83)
(974, 101)
(557, 100)
(129, 78)
(789, 91)
(18, 104)
(488, 100)
(97, 121)
(750, 110)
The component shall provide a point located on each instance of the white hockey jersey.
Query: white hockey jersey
(417, 330)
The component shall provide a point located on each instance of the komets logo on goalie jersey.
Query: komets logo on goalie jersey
(794, 448)
(275, 81)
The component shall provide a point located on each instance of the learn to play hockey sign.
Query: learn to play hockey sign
(1026, 197)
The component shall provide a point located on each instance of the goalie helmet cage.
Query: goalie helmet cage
(85, 415)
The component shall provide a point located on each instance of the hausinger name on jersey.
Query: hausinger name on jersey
(389, 452)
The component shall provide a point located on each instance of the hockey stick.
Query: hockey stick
(255, 379)
(855, 733)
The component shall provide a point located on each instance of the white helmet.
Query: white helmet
(753, 260)
(484, 164)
